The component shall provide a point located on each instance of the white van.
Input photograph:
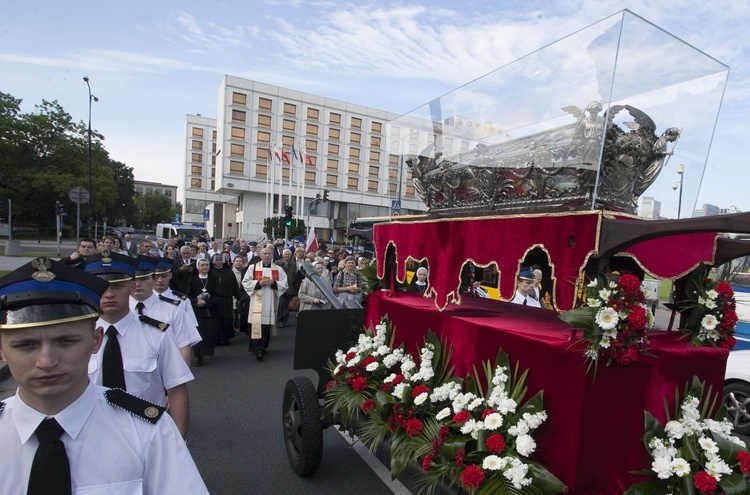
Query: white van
(187, 231)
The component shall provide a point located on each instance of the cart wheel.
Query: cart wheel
(303, 429)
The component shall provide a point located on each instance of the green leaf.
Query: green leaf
(652, 428)
(582, 317)
(734, 484)
(544, 481)
(648, 488)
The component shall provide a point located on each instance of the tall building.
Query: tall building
(143, 187)
(347, 172)
(706, 210)
(651, 208)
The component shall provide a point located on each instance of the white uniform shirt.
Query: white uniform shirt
(186, 307)
(182, 331)
(519, 298)
(150, 458)
(150, 358)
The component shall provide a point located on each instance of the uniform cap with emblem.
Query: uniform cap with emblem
(113, 267)
(47, 292)
(146, 266)
(163, 266)
(526, 274)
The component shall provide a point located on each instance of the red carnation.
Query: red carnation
(349, 356)
(413, 427)
(368, 406)
(461, 417)
(630, 284)
(397, 380)
(725, 290)
(744, 459)
(426, 462)
(419, 390)
(495, 443)
(626, 356)
(359, 384)
(330, 385)
(730, 319)
(386, 387)
(487, 412)
(367, 361)
(472, 476)
(637, 318)
(704, 482)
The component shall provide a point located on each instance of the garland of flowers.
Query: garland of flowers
(474, 433)
(614, 319)
(694, 453)
(710, 311)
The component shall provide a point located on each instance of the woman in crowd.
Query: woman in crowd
(202, 252)
(299, 256)
(419, 282)
(310, 296)
(241, 305)
(118, 246)
(226, 291)
(201, 289)
(169, 252)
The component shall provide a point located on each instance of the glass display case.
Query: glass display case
(591, 121)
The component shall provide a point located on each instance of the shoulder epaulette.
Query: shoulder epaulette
(176, 302)
(154, 323)
(179, 294)
(134, 405)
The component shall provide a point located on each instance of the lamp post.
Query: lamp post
(92, 99)
(681, 172)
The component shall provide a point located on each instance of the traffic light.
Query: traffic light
(288, 211)
(60, 208)
(325, 194)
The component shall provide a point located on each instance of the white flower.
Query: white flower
(710, 304)
(592, 353)
(607, 318)
(592, 284)
(713, 335)
(372, 366)
(398, 391)
(674, 429)
(504, 405)
(716, 467)
(604, 342)
(662, 466)
(604, 294)
(444, 413)
(407, 365)
(708, 445)
(594, 303)
(701, 300)
(354, 361)
(709, 322)
(381, 351)
(389, 378)
(612, 284)
(712, 294)
(492, 462)
(611, 333)
(469, 426)
(493, 421)
(420, 399)
(475, 403)
(525, 445)
(681, 467)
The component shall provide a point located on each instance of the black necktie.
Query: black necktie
(140, 307)
(50, 471)
(113, 375)
(524, 301)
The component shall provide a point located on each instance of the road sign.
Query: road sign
(395, 204)
(79, 195)
(206, 214)
(395, 213)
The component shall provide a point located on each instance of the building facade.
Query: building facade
(143, 187)
(651, 208)
(254, 168)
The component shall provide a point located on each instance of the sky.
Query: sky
(152, 63)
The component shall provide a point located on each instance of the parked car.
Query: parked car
(737, 391)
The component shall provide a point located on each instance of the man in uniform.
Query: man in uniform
(57, 427)
(162, 278)
(525, 289)
(138, 356)
(264, 281)
(144, 301)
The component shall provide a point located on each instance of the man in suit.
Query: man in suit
(183, 269)
(129, 245)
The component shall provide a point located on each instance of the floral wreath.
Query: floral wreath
(614, 319)
(709, 310)
(475, 433)
(694, 453)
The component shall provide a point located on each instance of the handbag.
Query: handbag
(294, 303)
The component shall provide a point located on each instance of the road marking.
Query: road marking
(396, 487)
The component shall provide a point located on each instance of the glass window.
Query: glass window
(194, 170)
(333, 164)
(375, 156)
(213, 171)
(168, 193)
(333, 149)
(313, 114)
(313, 161)
(331, 180)
(355, 137)
(372, 185)
(196, 158)
(213, 134)
(213, 184)
(197, 132)
(393, 160)
(375, 142)
(335, 118)
(261, 170)
(392, 189)
(238, 133)
(377, 127)
(237, 150)
(265, 104)
(393, 174)
(264, 137)
(356, 123)
(264, 121)
(413, 148)
(311, 130)
(213, 148)
(374, 171)
(261, 154)
(238, 116)
(309, 177)
(236, 167)
(334, 134)
(395, 147)
(290, 109)
(286, 142)
(354, 153)
(213, 159)
(195, 183)
(410, 190)
(197, 145)
(239, 99)
(354, 168)
(288, 125)
(352, 183)
(311, 145)
(195, 205)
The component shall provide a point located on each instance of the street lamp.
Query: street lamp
(681, 172)
(92, 99)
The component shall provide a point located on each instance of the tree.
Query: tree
(152, 209)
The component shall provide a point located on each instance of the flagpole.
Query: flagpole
(268, 168)
(281, 181)
(291, 174)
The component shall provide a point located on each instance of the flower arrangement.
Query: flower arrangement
(694, 453)
(614, 319)
(710, 311)
(474, 433)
